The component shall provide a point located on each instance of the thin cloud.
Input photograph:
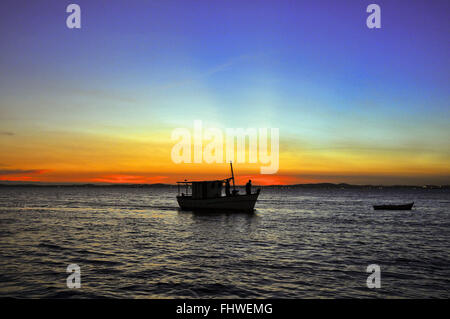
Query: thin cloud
(22, 171)
(216, 69)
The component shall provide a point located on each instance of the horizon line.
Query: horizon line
(66, 184)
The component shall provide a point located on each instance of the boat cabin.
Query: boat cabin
(201, 190)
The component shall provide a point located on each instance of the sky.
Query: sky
(99, 104)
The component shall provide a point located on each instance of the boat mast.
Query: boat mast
(232, 175)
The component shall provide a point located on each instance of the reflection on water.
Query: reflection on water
(132, 242)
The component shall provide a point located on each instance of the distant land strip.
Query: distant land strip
(293, 186)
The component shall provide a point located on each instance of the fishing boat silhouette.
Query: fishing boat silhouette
(207, 195)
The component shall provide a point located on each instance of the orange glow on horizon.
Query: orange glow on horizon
(130, 179)
(70, 157)
(265, 180)
(19, 178)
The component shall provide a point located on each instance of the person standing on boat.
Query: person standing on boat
(227, 188)
(248, 187)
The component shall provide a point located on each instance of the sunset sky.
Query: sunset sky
(99, 104)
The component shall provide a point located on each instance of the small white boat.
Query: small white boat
(207, 195)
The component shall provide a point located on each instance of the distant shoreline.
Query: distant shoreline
(293, 186)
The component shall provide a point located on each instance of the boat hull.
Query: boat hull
(394, 207)
(227, 203)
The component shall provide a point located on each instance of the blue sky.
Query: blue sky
(311, 68)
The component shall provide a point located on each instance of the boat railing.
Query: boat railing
(186, 186)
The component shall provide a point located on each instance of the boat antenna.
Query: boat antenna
(232, 175)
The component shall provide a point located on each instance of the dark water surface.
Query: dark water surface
(133, 242)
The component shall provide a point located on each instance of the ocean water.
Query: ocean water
(305, 243)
